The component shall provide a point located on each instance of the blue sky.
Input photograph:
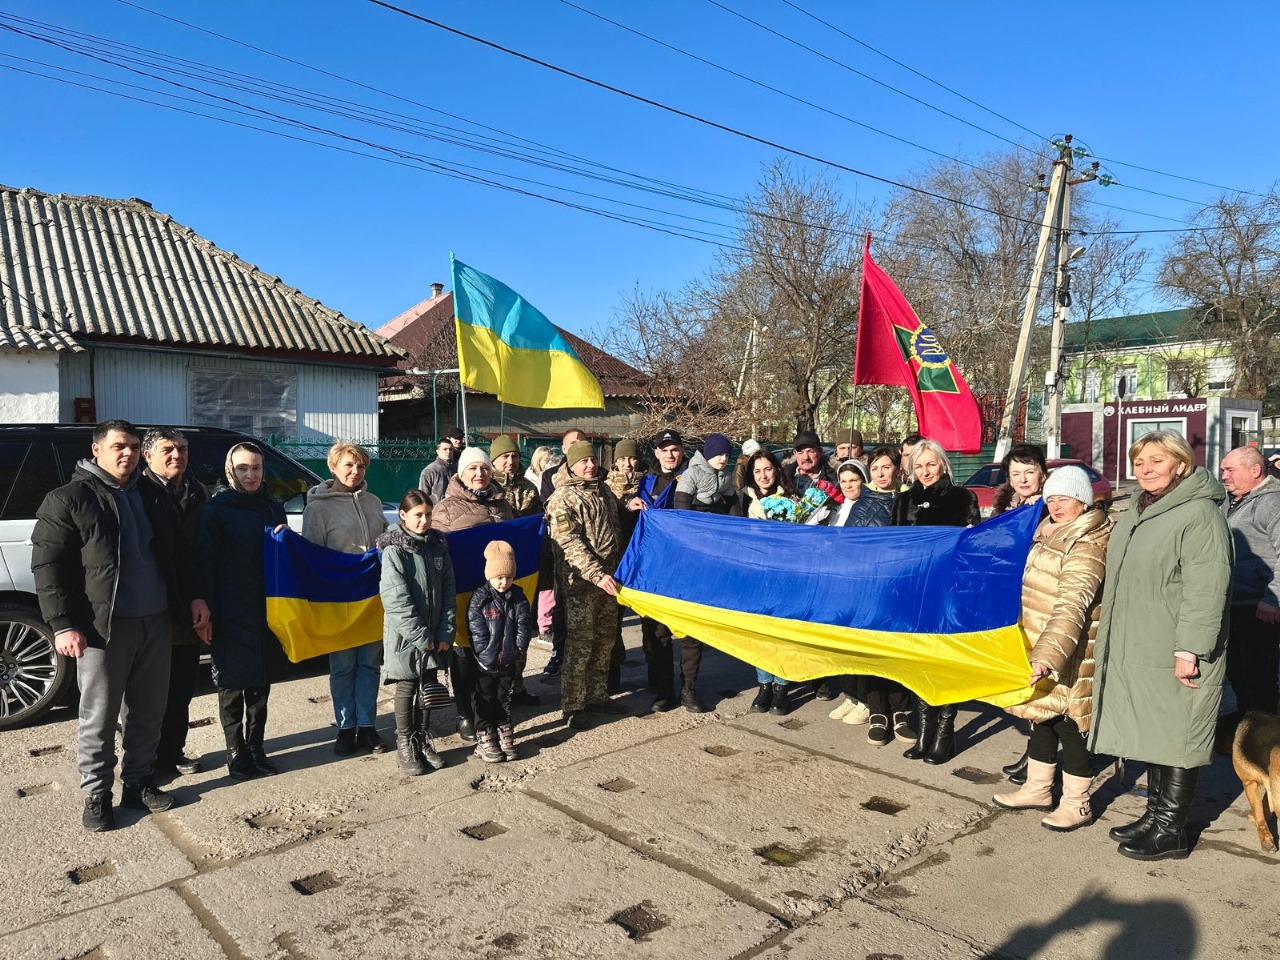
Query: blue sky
(1161, 85)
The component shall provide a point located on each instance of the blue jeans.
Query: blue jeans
(353, 684)
(763, 677)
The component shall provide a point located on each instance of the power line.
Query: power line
(715, 125)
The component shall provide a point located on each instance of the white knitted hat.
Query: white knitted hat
(751, 448)
(473, 455)
(1069, 481)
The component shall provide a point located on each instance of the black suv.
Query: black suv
(35, 459)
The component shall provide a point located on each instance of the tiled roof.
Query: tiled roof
(117, 269)
(426, 332)
(1139, 330)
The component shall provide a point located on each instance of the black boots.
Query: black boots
(407, 758)
(1017, 771)
(1166, 838)
(937, 740)
(239, 763)
(781, 700)
(689, 699)
(763, 700)
(928, 729)
(944, 741)
(1140, 826)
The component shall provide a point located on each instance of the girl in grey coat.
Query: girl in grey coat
(419, 602)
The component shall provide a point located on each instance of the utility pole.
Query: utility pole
(1055, 379)
(1058, 186)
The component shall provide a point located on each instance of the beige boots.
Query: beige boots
(1073, 809)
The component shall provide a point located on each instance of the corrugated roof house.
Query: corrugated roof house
(426, 334)
(117, 310)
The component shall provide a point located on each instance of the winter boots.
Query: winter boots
(763, 700)
(927, 731)
(944, 741)
(1073, 809)
(426, 748)
(1036, 793)
(507, 741)
(1131, 831)
(1166, 838)
(487, 747)
(407, 758)
(239, 764)
(781, 700)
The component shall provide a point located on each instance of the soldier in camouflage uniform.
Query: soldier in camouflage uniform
(525, 502)
(584, 525)
(624, 481)
(521, 494)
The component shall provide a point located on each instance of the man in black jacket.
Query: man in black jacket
(166, 454)
(105, 570)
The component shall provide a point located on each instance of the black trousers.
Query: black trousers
(1045, 738)
(462, 674)
(1253, 660)
(492, 699)
(184, 674)
(657, 641)
(886, 697)
(851, 685)
(244, 716)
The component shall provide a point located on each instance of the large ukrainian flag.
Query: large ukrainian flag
(320, 600)
(466, 549)
(508, 348)
(935, 608)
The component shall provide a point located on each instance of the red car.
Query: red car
(985, 481)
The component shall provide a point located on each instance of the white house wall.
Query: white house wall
(150, 386)
(28, 386)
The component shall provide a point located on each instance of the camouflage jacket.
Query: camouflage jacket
(623, 488)
(521, 494)
(584, 526)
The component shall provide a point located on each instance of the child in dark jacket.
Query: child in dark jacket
(500, 623)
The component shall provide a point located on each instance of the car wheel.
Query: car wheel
(33, 675)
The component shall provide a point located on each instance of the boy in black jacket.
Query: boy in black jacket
(500, 624)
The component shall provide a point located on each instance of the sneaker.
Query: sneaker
(661, 705)
(345, 745)
(824, 691)
(189, 765)
(98, 815)
(842, 708)
(368, 739)
(146, 796)
(552, 669)
(878, 732)
(576, 720)
(860, 714)
(525, 699)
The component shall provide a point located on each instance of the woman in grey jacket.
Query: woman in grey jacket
(1161, 638)
(342, 514)
(419, 602)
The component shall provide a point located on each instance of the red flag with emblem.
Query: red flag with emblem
(895, 349)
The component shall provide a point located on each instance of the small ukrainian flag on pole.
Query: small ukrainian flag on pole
(506, 347)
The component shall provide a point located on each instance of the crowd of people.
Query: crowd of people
(1127, 620)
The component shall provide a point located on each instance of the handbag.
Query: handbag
(432, 695)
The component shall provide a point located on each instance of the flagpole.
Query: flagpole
(853, 388)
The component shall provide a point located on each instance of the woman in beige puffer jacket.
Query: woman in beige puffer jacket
(1061, 595)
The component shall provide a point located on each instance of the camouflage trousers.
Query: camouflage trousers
(591, 626)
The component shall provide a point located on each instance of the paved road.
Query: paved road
(725, 835)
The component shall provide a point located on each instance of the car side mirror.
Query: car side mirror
(296, 503)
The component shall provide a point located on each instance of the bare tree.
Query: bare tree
(1230, 271)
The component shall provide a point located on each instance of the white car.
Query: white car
(33, 461)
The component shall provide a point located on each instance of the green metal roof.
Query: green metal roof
(1139, 330)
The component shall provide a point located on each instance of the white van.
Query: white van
(35, 459)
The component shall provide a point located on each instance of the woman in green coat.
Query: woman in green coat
(1161, 642)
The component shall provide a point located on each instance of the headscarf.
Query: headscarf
(232, 481)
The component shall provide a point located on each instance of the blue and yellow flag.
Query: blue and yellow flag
(508, 348)
(320, 600)
(935, 608)
(466, 548)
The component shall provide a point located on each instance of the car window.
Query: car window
(989, 476)
(208, 463)
(1094, 475)
(71, 450)
(27, 473)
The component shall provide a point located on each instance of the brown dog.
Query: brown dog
(1255, 754)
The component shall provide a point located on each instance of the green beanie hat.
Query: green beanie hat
(625, 448)
(580, 451)
(501, 445)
